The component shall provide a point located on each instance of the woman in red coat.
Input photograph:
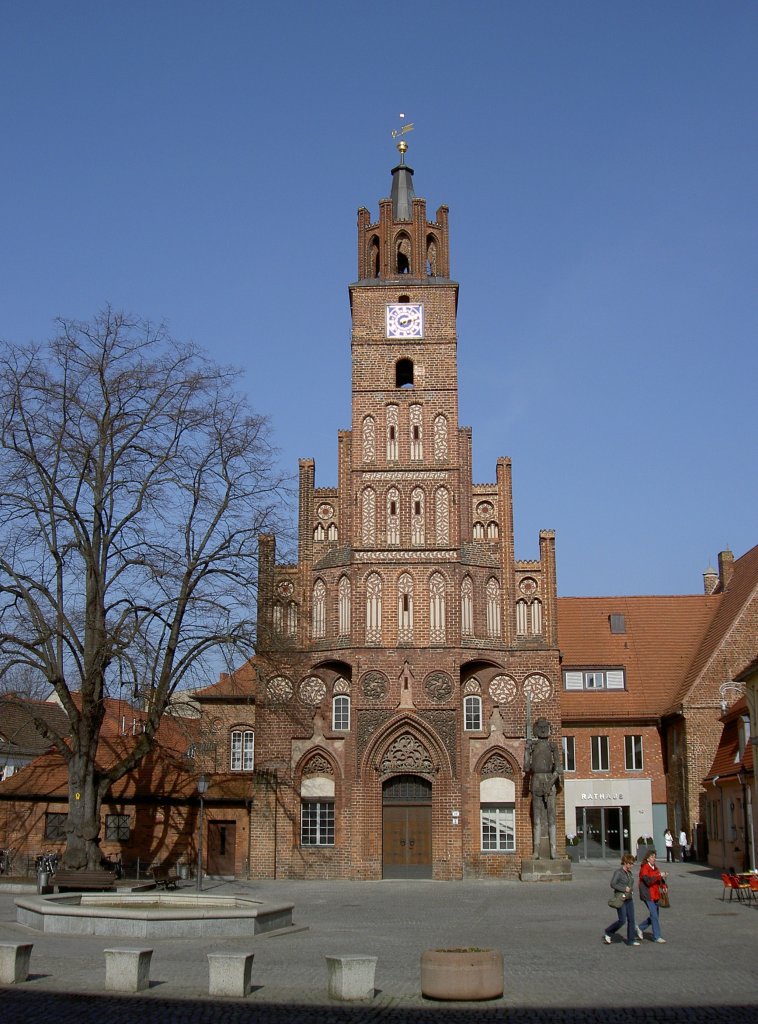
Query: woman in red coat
(651, 880)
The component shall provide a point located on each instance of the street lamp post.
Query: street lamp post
(202, 788)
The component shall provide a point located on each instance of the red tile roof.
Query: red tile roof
(662, 634)
(727, 762)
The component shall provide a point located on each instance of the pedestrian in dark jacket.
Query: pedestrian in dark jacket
(622, 883)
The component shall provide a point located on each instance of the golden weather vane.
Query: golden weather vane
(396, 132)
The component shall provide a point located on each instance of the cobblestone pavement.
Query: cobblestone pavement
(557, 967)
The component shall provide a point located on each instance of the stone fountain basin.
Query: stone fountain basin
(151, 915)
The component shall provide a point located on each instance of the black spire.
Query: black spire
(402, 187)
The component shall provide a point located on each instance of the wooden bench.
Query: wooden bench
(78, 881)
(165, 876)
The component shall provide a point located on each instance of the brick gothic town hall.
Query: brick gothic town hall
(398, 657)
(380, 729)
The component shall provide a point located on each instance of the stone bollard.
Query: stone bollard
(127, 970)
(351, 977)
(229, 974)
(14, 962)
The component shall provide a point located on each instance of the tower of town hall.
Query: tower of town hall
(400, 659)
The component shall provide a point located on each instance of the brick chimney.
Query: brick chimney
(726, 568)
(710, 579)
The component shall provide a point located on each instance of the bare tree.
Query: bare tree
(134, 481)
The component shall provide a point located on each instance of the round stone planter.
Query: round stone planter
(462, 974)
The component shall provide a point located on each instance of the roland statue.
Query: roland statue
(542, 759)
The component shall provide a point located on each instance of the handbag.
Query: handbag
(663, 896)
(617, 900)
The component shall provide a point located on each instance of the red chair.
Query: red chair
(754, 887)
(733, 884)
(741, 888)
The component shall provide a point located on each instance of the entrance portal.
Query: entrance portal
(603, 831)
(407, 827)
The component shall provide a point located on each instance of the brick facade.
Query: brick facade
(403, 598)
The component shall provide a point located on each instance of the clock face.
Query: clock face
(405, 320)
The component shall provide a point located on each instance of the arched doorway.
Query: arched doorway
(407, 827)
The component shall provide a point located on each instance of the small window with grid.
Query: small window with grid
(55, 826)
(117, 827)
(317, 823)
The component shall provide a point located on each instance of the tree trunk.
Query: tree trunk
(83, 827)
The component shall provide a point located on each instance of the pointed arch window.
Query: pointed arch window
(440, 438)
(404, 373)
(437, 609)
(318, 620)
(492, 531)
(343, 605)
(369, 439)
(493, 607)
(292, 618)
(522, 614)
(478, 531)
(442, 515)
(417, 517)
(331, 532)
(393, 517)
(392, 427)
(373, 257)
(277, 617)
(467, 606)
(374, 609)
(537, 617)
(431, 256)
(319, 533)
(405, 609)
(368, 518)
(403, 254)
(416, 426)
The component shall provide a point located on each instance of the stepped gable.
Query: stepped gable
(656, 650)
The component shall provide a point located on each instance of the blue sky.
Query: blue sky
(202, 163)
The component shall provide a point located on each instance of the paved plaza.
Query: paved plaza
(557, 967)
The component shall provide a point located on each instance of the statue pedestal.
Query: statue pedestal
(543, 869)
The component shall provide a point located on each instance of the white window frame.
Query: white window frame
(600, 753)
(341, 712)
(317, 822)
(472, 713)
(569, 753)
(242, 750)
(499, 821)
(633, 756)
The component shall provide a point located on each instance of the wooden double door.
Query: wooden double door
(407, 828)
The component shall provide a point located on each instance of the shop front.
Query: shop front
(605, 819)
